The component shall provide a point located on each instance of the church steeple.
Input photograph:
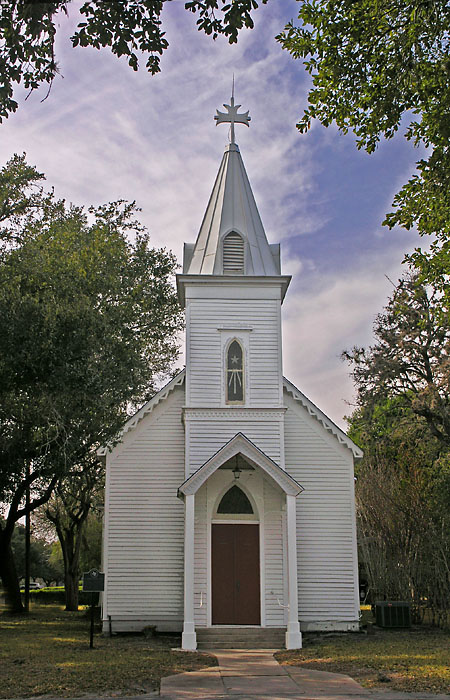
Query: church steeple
(231, 240)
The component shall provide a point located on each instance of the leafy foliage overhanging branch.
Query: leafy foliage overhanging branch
(129, 28)
(375, 63)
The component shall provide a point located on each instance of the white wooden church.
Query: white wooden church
(229, 499)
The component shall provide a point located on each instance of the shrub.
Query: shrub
(56, 595)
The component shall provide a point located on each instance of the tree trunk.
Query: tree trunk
(71, 589)
(9, 575)
(70, 537)
(69, 552)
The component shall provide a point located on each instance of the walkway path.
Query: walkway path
(246, 675)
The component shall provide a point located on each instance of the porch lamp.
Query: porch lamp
(236, 470)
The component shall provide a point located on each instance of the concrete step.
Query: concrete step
(241, 637)
(239, 644)
(246, 631)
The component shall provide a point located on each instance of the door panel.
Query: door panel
(235, 574)
(247, 574)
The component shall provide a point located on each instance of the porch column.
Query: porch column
(293, 634)
(189, 638)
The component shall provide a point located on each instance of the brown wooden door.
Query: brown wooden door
(235, 574)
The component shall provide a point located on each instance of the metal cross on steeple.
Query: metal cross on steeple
(231, 116)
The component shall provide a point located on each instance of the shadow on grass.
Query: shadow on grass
(47, 653)
(408, 660)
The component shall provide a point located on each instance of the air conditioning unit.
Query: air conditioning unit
(392, 614)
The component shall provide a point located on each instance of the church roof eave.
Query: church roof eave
(232, 281)
(240, 444)
(326, 422)
(144, 411)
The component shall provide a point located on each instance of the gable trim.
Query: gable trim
(326, 422)
(147, 408)
(240, 444)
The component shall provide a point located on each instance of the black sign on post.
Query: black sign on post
(93, 582)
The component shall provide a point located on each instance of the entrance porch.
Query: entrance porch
(240, 545)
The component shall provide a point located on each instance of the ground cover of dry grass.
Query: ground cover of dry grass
(47, 653)
(413, 660)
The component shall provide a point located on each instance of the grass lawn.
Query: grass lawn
(48, 652)
(416, 660)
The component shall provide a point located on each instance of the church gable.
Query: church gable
(254, 456)
(152, 411)
(314, 453)
(324, 424)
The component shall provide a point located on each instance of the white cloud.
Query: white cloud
(333, 314)
(292, 266)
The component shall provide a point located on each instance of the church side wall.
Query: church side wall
(144, 536)
(326, 532)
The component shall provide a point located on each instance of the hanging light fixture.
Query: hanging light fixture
(236, 470)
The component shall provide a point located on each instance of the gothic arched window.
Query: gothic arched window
(233, 254)
(235, 373)
(235, 502)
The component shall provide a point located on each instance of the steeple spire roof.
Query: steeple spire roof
(232, 210)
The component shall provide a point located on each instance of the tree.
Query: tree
(88, 322)
(28, 32)
(56, 562)
(91, 548)
(410, 358)
(68, 510)
(374, 63)
(20, 194)
(40, 553)
(403, 508)
(402, 424)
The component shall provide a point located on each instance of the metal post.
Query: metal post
(27, 541)
(91, 642)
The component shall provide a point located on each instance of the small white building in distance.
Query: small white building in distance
(229, 498)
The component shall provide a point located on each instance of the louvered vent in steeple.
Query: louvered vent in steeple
(233, 254)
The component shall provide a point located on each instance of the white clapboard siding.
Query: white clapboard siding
(273, 556)
(144, 548)
(200, 557)
(206, 367)
(207, 436)
(325, 519)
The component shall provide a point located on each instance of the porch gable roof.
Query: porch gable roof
(240, 444)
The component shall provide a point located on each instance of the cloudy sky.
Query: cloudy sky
(106, 133)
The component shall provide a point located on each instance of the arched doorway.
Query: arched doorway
(235, 562)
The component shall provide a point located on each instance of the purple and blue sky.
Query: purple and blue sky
(108, 133)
